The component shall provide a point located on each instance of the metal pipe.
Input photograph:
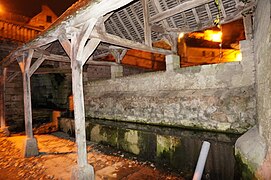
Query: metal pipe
(201, 161)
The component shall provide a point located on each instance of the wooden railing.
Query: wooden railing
(17, 32)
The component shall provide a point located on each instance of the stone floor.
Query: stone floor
(57, 157)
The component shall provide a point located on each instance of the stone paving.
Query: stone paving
(57, 157)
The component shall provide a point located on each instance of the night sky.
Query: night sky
(32, 7)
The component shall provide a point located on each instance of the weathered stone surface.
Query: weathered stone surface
(30, 147)
(251, 148)
(215, 97)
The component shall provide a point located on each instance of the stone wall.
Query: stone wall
(50, 90)
(217, 97)
(14, 103)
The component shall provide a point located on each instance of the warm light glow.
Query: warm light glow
(1, 8)
(209, 35)
(238, 56)
(181, 35)
(215, 36)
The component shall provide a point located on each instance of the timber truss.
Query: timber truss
(90, 30)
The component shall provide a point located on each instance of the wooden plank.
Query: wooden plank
(117, 28)
(222, 9)
(136, 16)
(190, 4)
(147, 27)
(112, 39)
(36, 65)
(132, 23)
(124, 26)
(208, 11)
(196, 15)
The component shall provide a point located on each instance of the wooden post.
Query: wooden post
(30, 145)
(79, 52)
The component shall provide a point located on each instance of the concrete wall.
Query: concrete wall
(215, 97)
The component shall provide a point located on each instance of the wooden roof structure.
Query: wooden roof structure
(136, 24)
(86, 30)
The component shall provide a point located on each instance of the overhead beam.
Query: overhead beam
(147, 27)
(178, 9)
(118, 41)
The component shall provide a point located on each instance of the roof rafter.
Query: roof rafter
(177, 9)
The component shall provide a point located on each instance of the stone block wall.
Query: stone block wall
(217, 97)
(14, 103)
(50, 90)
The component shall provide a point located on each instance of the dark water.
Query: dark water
(173, 148)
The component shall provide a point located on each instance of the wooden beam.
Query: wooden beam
(90, 47)
(12, 76)
(248, 26)
(65, 43)
(24, 65)
(36, 65)
(84, 169)
(117, 53)
(112, 39)
(178, 9)
(83, 36)
(147, 27)
(157, 7)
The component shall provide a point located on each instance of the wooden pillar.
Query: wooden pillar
(30, 144)
(79, 51)
(4, 128)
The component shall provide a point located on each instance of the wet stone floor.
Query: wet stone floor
(57, 157)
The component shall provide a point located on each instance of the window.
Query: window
(213, 54)
(203, 53)
(49, 19)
